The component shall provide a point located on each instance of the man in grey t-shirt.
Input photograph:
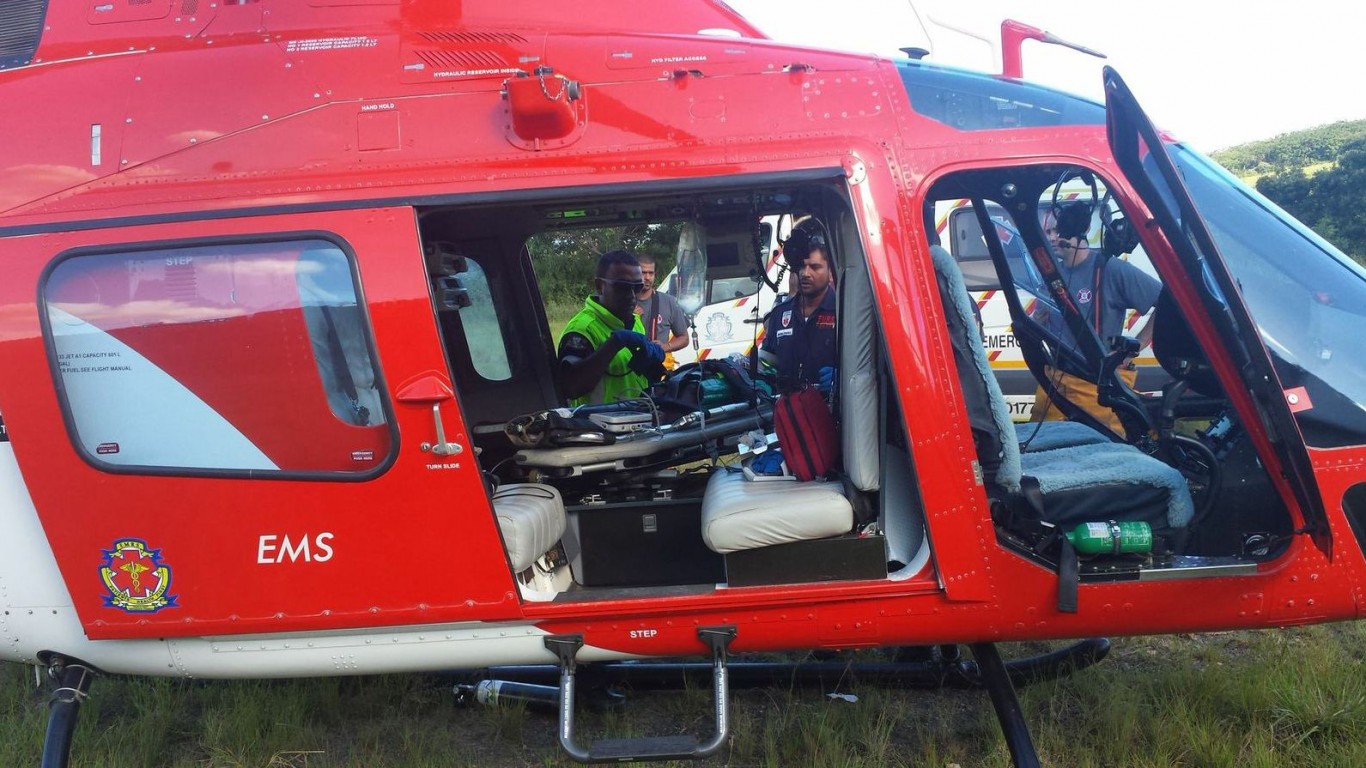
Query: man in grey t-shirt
(665, 321)
(1104, 290)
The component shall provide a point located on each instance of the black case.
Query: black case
(643, 543)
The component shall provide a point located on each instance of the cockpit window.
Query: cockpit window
(1307, 298)
(972, 101)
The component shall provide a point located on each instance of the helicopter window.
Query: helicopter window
(233, 357)
(969, 247)
(1307, 298)
(975, 102)
(483, 335)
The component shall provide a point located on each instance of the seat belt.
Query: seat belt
(1069, 576)
(334, 350)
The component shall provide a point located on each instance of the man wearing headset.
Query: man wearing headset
(1103, 289)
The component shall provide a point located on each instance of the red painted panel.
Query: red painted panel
(234, 365)
(416, 544)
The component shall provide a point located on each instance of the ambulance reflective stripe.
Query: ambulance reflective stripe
(158, 421)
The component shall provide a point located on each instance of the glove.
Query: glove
(632, 340)
(769, 462)
(827, 379)
(647, 360)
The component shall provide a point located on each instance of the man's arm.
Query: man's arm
(582, 366)
(1140, 292)
(768, 348)
(678, 329)
(1145, 334)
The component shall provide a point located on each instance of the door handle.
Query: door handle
(441, 448)
(431, 388)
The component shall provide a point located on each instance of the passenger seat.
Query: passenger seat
(531, 518)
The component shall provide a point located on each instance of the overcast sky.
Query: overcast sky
(1213, 72)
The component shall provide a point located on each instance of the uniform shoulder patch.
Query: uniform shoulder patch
(575, 345)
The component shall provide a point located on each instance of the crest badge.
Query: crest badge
(719, 327)
(136, 577)
(787, 318)
(1084, 296)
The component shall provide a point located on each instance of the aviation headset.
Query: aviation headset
(810, 234)
(1072, 219)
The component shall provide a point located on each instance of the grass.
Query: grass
(1241, 699)
(1251, 179)
(558, 313)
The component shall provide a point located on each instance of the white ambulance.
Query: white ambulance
(959, 231)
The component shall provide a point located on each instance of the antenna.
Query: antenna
(1013, 35)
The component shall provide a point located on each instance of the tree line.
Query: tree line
(1318, 176)
(565, 260)
(1289, 151)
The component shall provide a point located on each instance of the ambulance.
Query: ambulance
(960, 232)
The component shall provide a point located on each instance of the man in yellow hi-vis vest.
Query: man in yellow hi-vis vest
(604, 353)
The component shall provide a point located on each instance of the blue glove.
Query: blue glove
(632, 340)
(769, 462)
(652, 352)
(647, 360)
(827, 379)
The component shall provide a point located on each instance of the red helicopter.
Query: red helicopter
(280, 392)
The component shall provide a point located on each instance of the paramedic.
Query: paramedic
(799, 334)
(604, 354)
(665, 321)
(1103, 289)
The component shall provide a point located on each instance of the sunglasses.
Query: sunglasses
(634, 286)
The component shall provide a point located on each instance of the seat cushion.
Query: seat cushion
(1050, 435)
(1109, 481)
(744, 514)
(531, 517)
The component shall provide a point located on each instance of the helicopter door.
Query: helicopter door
(252, 430)
(1147, 163)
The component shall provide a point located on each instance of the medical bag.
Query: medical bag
(806, 434)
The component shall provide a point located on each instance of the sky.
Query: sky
(1213, 72)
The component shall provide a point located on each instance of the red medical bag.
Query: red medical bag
(806, 433)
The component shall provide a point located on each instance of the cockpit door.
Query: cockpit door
(1145, 161)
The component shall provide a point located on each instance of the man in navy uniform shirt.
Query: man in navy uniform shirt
(799, 335)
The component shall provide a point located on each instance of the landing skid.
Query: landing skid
(934, 667)
(938, 670)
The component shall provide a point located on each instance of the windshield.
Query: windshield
(1307, 298)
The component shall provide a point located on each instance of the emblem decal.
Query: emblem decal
(719, 327)
(136, 577)
(787, 318)
(1084, 296)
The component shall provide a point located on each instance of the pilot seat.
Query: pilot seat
(1071, 474)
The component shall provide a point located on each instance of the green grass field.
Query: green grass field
(1241, 699)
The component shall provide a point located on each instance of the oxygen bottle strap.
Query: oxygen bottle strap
(1068, 578)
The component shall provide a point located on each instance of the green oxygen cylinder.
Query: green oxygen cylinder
(1112, 538)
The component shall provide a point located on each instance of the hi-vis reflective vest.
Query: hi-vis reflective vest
(595, 323)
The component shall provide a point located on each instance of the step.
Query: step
(679, 747)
